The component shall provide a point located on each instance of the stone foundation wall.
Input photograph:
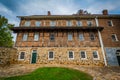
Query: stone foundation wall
(8, 56)
(61, 55)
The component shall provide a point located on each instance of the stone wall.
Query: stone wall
(61, 55)
(8, 56)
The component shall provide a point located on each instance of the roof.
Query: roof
(69, 16)
(42, 28)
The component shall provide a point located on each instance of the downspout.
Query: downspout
(101, 42)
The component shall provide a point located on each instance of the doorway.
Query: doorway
(34, 56)
(118, 56)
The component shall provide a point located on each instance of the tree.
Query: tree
(5, 33)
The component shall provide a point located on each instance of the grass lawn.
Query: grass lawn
(52, 73)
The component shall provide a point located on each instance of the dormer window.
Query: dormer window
(27, 23)
(89, 23)
(110, 23)
(37, 23)
(52, 23)
(79, 23)
(69, 23)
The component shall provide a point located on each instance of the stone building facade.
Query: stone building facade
(81, 39)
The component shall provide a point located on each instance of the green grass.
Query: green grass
(52, 73)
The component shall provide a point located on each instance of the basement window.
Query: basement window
(50, 55)
(83, 55)
(95, 55)
(71, 55)
(22, 55)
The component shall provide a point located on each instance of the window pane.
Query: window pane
(81, 37)
(52, 37)
(69, 36)
(69, 23)
(50, 54)
(22, 55)
(37, 23)
(70, 54)
(52, 23)
(95, 55)
(27, 23)
(110, 23)
(89, 23)
(114, 37)
(36, 37)
(79, 23)
(92, 36)
(82, 54)
(25, 37)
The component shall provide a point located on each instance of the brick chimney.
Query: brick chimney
(49, 13)
(105, 12)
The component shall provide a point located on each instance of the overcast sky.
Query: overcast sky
(12, 8)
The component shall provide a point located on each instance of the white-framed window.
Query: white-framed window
(89, 23)
(21, 55)
(52, 37)
(95, 55)
(70, 37)
(81, 36)
(79, 23)
(83, 55)
(110, 23)
(36, 36)
(50, 55)
(92, 36)
(37, 23)
(52, 23)
(27, 23)
(69, 23)
(25, 36)
(114, 37)
(70, 54)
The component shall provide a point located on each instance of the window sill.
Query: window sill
(51, 59)
(84, 59)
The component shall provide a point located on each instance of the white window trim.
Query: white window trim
(79, 36)
(26, 23)
(48, 55)
(80, 23)
(38, 36)
(70, 23)
(37, 22)
(73, 55)
(23, 37)
(115, 37)
(72, 36)
(20, 54)
(91, 23)
(97, 55)
(85, 55)
(111, 22)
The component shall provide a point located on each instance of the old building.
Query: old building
(81, 39)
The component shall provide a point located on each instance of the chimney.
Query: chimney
(105, 12)
(49, 13)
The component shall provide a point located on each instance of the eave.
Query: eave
(48, 29)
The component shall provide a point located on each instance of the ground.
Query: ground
(98, 73)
